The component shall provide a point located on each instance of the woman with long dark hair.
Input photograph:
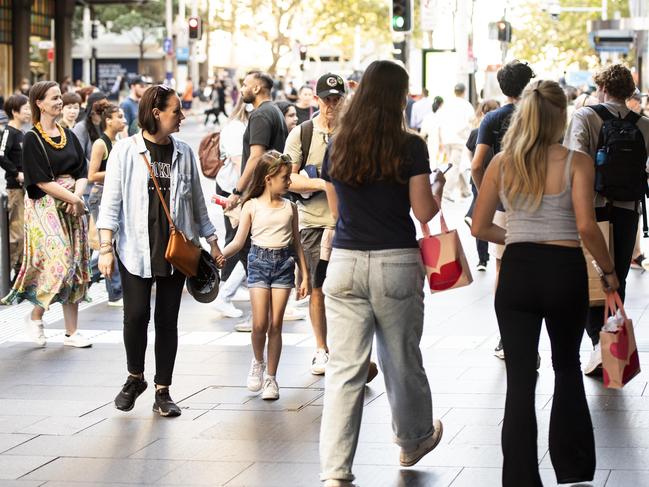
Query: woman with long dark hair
(547, 192)
(376, 172)
(132, 218)
(55, 267)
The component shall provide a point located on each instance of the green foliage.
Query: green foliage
(558, 44)
(335, 21)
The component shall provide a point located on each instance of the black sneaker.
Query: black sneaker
(164, 405)
(637, 262)
(133, 387)
(482, 266)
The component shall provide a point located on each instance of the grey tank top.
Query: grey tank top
(554, 219)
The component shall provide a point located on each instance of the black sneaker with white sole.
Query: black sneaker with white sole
(164, 405)
(133, 387)
(499, 351)
(482, 266)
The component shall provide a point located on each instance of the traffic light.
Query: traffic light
(302, 53)
(93, 29)
(401, 15)
(504, 31)
(194, 24)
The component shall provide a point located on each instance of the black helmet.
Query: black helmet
(204, 286)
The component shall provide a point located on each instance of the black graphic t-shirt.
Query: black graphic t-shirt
(160, 157)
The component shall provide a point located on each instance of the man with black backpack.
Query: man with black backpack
(618, 141)
(306, 144)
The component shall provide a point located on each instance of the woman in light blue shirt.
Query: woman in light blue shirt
(132, 215)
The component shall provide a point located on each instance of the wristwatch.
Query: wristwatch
(235, 191)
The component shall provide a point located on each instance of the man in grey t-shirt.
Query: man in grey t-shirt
(615, 84)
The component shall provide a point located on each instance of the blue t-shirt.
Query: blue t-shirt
(376, 216)
(494, 125)
(130, 107)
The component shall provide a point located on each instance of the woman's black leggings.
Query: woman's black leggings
(538, 282)
(137, 313)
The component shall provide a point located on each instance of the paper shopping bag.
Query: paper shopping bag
(596, 294)
(444, 259)
(620, 359)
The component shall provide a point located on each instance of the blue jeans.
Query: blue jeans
(271, 268)
(370, 293)
(114, 283)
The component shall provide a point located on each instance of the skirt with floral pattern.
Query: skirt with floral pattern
(56, 258)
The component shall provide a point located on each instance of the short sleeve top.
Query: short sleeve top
(43, 167)
(376, 215)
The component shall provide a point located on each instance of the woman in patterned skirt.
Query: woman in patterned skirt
(55, 263)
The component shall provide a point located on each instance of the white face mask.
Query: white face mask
(249, 107)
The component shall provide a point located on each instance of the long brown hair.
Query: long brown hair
(538, 122)
(105, 110)
(270, 164)
(369, 140)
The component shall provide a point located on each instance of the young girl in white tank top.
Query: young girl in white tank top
(272, 223)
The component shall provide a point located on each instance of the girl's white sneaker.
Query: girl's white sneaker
(271, 390)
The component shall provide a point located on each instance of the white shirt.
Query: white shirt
(430, 130)
(230, 145)
(419, 110)
(456, 116)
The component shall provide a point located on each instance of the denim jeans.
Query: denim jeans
(114, 283)
(366, 293)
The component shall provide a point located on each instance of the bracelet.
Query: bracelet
(106, 244)
(105, 251)
(212, 238)
(236, 192)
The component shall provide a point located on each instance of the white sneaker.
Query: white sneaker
(255, 376)
(227, 309)
(319, 362)
(116, 304)
(35, 330)
(244, 326)
(242, 294)
(293, 314)
(77, 340)
(271, 390)
(595, 362)
(408, 458)
(645, 264)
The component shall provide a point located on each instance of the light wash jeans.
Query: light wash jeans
(368, 292)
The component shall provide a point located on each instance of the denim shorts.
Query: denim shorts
(271, 268)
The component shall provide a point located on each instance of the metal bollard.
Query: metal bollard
(5, 267)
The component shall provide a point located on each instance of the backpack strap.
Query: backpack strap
(306, 136)
(603, 112)
(632, 117)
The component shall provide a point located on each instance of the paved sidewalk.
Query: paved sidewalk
(58, 426)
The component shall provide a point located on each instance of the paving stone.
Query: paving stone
(205, 473)
(12, 467)
(628, 478)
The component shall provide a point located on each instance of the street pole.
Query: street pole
(169, 62)
(604, 9)
(86, 45)
(193, 46)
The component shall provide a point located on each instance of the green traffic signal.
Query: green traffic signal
(398, 22)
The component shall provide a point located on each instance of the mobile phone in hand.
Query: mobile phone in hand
(445, 167)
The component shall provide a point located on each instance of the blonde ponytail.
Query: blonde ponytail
(539, 122)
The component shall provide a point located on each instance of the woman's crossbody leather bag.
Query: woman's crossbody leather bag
(181, 252)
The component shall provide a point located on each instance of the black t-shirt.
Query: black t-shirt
(494, 126)
(472, 143)
(11, 155)
(266, 127)
(304, 114)
(160, 157)
(41, 169)
(376, 216)
(109, 147)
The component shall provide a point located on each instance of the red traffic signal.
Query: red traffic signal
(194, 24)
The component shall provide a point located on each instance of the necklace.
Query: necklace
(49, 140)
